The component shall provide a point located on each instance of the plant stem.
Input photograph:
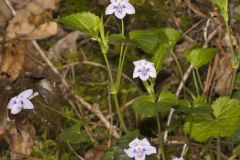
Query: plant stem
(180, 70)
(218, 148)
(199, 79)
(115, 98)
(68, 117)
(161, 148)
(108, 68)
(195, 83)
(232, 81)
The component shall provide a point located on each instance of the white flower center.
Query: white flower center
(144, 70)
(119, 6)
(139, 151)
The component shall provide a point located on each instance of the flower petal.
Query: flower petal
(136, 72)
(27, 104)
(26, 94)
(120, 15)
(12, 103)
(140, 158)
(139, 62)
(110, 9)
(129, 8)
(149, 150)
(144, 77)
(134, 142)
(34, 95)
(130, 152)
(16, 109)
(144, 142)
(152, 71)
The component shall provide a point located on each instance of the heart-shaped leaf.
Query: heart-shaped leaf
(226, 119)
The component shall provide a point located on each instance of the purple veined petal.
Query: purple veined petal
(16, 109)
(139, 62)
(110, 9)
(27, 104)
(134, 143)
(144, 142)
(149, 150)
(140, 158)
(129, 8)
(136, 72)
(12, 103)
(152, 71)
(25, 94)
(120, 15)
(144, 77)
(130, 152)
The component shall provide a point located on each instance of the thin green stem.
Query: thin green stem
(122, 22)
(161, 147)
(195, 82)
(115, 98)
(120, 66)
(199, 79)
(218, 148)
(108, 68)
(180, 71)
(232, 82)
(58, 112)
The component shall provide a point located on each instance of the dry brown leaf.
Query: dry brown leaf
(4, 122)
(45, 4)
(21, 143)
(5, 14)
(12, 59)
(31, 23)
(65, 44)
(223, 77)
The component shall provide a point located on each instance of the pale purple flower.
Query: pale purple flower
(139, 149)
(120, 8)
(144, 69)
(21, 101)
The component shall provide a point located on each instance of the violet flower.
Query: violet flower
(144, 69)
(139, 149)
(120, 8)
(21, 101)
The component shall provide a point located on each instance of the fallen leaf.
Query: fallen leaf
(5, 14)
(31, 23)
(66, 44)
(21, 143)
(223, 77)
(12, 59)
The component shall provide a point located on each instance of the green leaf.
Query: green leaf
(226, 118)
(223, 6)
(126, 139)
(199, 56)
(117, 39)
(85, 22)
(116, 153)
(74, 135)
(145, 106)
(146, 40)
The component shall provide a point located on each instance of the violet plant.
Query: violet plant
(157, 42)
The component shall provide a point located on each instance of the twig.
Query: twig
(95, 109)
(180, 87)
(74, 152)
